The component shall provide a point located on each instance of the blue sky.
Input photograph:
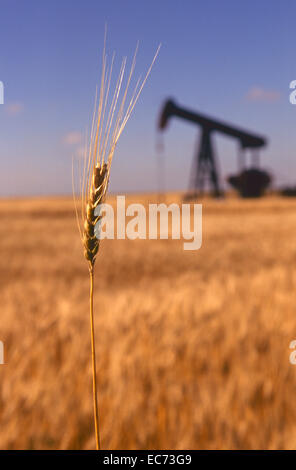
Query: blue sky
(231, 60)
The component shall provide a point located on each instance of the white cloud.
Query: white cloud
(14, 108)
(257, 93)
(73, 138)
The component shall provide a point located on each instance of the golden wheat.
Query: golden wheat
(195, 345)
(90, 241)
(109, 120)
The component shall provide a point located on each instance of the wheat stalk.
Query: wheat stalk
(109, 119)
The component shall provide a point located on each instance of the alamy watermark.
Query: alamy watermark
(1, 352)
(292, 357)
(292, 96)
(1, 93)
(162, 222)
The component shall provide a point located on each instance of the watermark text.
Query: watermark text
(1, 352)
(162, 222)
(1, 93)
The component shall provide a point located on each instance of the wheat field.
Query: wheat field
(192, 347)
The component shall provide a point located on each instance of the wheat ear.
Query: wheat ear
(109, 119)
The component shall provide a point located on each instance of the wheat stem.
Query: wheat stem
(93, 355)
(106, 129)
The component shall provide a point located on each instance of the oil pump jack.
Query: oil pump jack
(249, 182)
